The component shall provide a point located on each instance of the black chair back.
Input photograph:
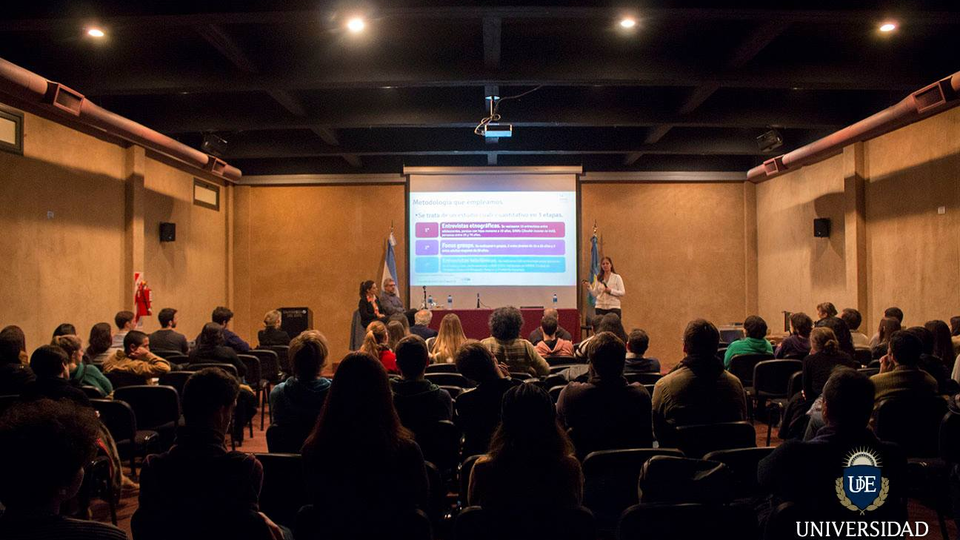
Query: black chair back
(864, 356)
(869, 371)
(464, 474)
(166, 353)
(442, 368)
(312, 524)
(118, 417)
(449, 379)
(771, 378)
(282, 352)
(673, 521)
(555, 392)
(157, 408)
(269, 365)
(284, 490)
(912, 422)
(675, 480)
(254, 376)
(610, 481)
(520, 375)
(454, 391)
(176, 379)
(643, 377)
(697, 440)
(440, 443)
(742, 366)
(286, 439)
(556, 361)
(475, 523)
(92, 392)
(119, 379)
(197, 366)
(743, 463)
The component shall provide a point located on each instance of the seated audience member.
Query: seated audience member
(853, 319)
(46, 445)
(15, 333)
(14, 375)
(637, 343)
(888, 326)
(49, 363)
(606, 412)
(930, 363)
(223, 316)
(83, 374)
(530, 464)
(900, 374)
(893, 312)
(754, 343)
(421, 324)
(508, 347)
(419, 402)
(803, 472)
(389, 299)
(100, 345)
(124, 322)
(296, 402)
(395, 332)
(375, 344)
(362, 468)
(135, 357)
(602, 323)
(825, 310)
(797, 344)
(449, 340)
(942, 343)
(198, 489)
(698, 390)
(955, 334)
(411, 315)
(478, 409)
(167, 338)
(537, 335)
(65, 329)
(369, 304)
(551, 343)
(402, 319)
(842, 331)
(825, 356)
(271, 334)
(212, 349)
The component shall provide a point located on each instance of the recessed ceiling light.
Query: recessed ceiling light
(888, 27)
(95, 32)
(356, 25)
(627, 22)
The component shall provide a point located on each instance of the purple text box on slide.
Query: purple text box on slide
(501, 247)
(428, 247)
(428, 230)
(503, 229)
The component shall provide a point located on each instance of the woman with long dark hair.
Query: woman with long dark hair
(942, 344)
(100, 344)
(607, 288)
(362, 467)
(888, 325)
(369, 304)
(531, 461)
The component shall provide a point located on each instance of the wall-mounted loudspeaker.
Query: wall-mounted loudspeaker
(168, 232)
(821, 227)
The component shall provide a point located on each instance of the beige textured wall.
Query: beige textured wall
(70, 268)
(795, 270)
(913, 253)
(680, 249)
(312, 246)
(66, 268)
(190, 273)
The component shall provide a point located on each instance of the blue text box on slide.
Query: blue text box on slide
(427, 265)
(502, 265)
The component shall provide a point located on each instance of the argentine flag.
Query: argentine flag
(594, 267)
(390, 263)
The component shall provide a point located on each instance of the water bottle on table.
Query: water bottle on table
(554, 300)
(430, 304)
(449, 301)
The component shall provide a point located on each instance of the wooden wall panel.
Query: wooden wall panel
(681, 251)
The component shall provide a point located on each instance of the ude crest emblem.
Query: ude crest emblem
(862, 488)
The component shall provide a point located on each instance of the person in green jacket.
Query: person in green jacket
(754, 343)
(83, 374)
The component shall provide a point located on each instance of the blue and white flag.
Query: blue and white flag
(594, 267)
(390, 263)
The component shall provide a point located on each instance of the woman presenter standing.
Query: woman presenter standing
(607, 289)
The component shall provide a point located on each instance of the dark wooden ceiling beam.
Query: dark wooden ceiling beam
(327, 135)
(217, 37)
(492, 27)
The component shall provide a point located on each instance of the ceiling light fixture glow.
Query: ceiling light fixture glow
(96, 32)
(356, 25)
(888, 27)
(627, 22)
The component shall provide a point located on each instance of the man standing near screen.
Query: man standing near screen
(607, 288)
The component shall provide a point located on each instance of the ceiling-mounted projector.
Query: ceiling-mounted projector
(493, 130)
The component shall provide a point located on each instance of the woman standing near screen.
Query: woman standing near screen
(607, 289)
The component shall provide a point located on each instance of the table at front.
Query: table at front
(474, 321)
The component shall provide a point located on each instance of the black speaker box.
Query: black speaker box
(821, 227)
(294, 320)
(168, 232)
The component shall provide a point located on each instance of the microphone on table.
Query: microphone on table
(478, 300)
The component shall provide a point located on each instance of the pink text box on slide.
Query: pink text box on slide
(428, 230)
(503, 229)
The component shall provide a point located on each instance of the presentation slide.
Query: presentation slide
(493, 238)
